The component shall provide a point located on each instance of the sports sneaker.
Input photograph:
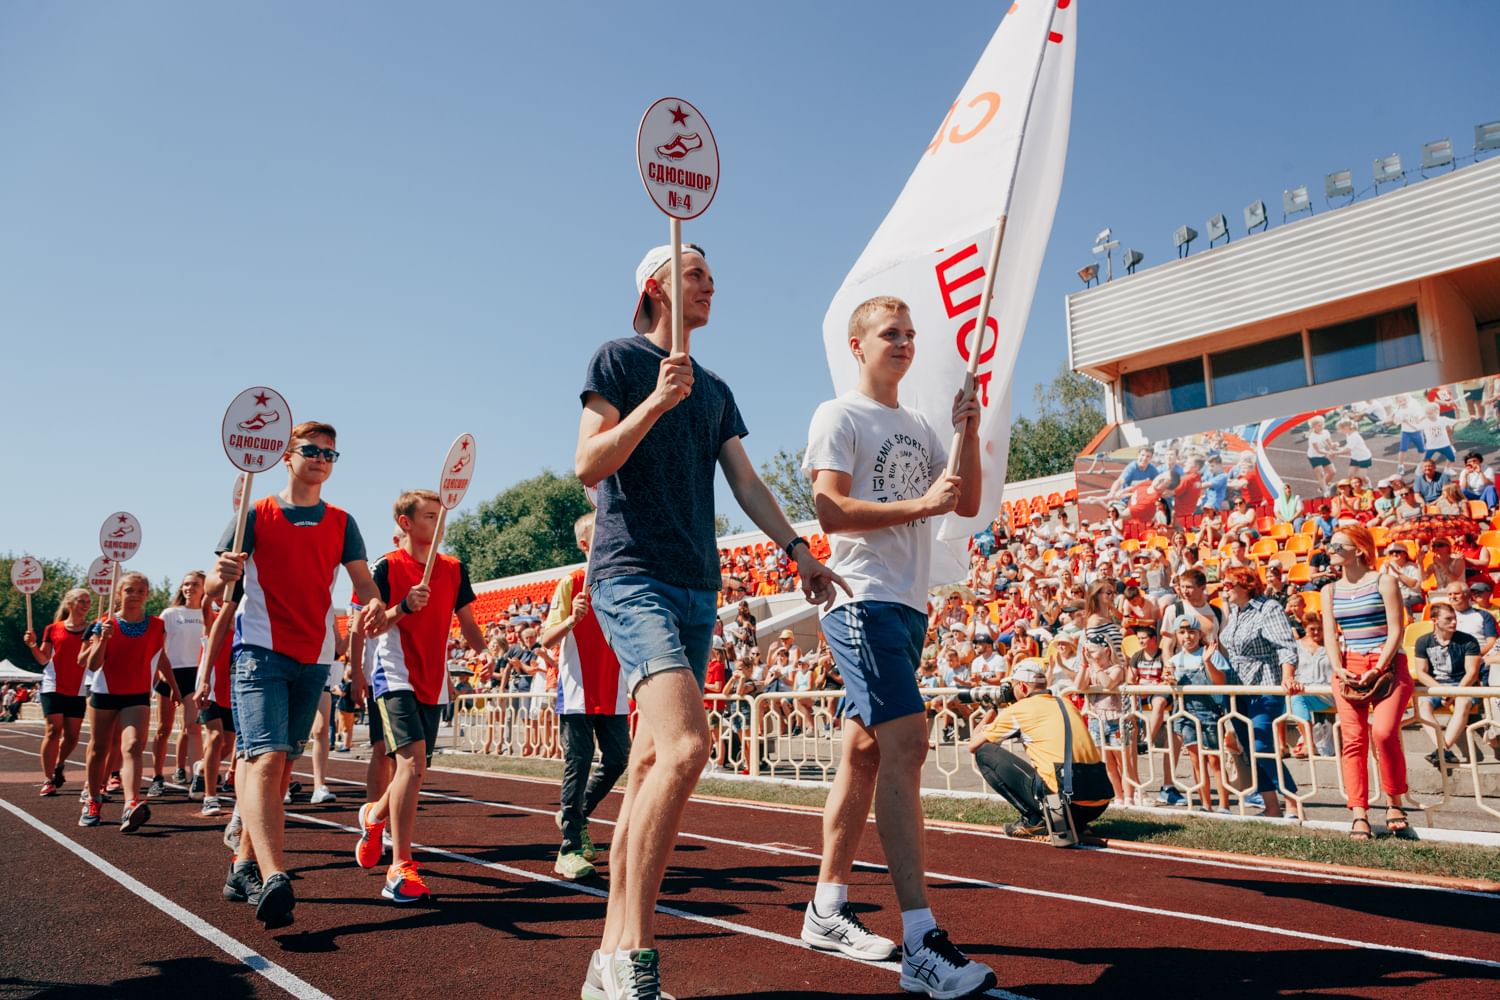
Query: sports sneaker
(403, 883)
(638, 977)
(197, 788)
(587, 848)
(274, 908)
(58, 778)
(370, 847)
(593, 980)
(242, 885)
(842, 931)
(135, 815)
(90, 814)
(156, 789)
(114, 784)
(1024, 829)
(573, 866)
(941, 971)
(179, 777)
(232, 833)
(48, 788)
(83, 794)
(211, 806)
(1170, 796)
(322, 795)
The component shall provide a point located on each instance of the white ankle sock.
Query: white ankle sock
(829, 896)
(914, 925)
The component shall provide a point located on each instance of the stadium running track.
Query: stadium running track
(98, 913)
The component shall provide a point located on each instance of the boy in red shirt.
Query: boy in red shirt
(410, 680)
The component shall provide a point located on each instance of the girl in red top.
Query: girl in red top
(62, 682)
(126, 652)
(212, 695)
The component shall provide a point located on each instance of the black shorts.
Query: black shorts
(407, 720)
(69, 706)
(187, 682)
(214, 712)
(115, 702)
(372, 715)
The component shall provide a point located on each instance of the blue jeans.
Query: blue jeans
(275, 701)
(1304, 705)
(655, 627)
(1262, 711)
(1487, 495)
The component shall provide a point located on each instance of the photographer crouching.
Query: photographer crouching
(1071, 789)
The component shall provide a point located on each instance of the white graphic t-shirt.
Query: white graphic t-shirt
(890, 454)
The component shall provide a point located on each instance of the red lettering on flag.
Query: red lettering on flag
(947, 286)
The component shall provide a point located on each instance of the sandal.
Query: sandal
(1355, 833)
(1396, 821)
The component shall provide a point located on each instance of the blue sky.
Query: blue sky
(417, 220)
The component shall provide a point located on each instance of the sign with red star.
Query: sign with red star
(678, 158)
(101, 574)
(257, 429)
(26, 575)
(458, 471)
(120, 536)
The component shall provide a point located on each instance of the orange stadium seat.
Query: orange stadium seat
(1478, 510)
(1313, 600)
(1281, 530)
(1300, 573)
(1263, 548)
(1489, 538)
(1299, 544)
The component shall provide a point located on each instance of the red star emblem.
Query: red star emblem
(679, 116)
(123, 519)
(261, 399)
(465, 445)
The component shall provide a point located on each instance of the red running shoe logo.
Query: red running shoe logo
(121, 532)
(459, 465)
(260, 420)
(680, 146)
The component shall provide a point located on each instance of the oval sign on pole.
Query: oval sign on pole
(678, 157)
(120, 536)
(458, 471)
(26, 575)
(101, 574)
(257, 429)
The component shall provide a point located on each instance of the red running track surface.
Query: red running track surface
(1052, 923)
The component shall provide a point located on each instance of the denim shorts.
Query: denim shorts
(654, 627)
(877, 646)
(275, 701)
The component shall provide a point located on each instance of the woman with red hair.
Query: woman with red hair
(1362, 627)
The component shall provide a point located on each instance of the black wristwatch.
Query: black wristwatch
(790, 546)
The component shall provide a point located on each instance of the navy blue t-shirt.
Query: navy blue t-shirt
(656, 514)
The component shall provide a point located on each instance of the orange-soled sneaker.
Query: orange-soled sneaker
(403, 883)
(371, 846)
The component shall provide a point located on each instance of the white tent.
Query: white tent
(10, 672)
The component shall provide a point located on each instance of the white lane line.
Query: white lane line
(1023, 890)
(234, 949)
(671, 911)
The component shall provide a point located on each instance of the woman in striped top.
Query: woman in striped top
(1362, 626)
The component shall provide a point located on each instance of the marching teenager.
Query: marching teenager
(411, 682)
(654, 425)
(127, 649)
(879, 482)
(285, 638)
(63, 702)
(380, 767)
(183, 622)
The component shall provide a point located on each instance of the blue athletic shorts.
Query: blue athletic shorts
(1410, 439)
(877, 646)
(654, 627)
(275, 701)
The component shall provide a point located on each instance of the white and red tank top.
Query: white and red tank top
(63, 673)
(130, 661)
(413, 656)
(288, 601)
(588, 674)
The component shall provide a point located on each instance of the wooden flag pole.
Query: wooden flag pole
(981, 329)
(241, 521)
(114, 585)
(678, 340)
(28, 613)
(437, 539)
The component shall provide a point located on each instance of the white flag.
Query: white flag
(932, 247)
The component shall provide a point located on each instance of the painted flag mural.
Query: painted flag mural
(999, 151)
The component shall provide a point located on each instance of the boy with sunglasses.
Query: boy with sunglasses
(284, 639)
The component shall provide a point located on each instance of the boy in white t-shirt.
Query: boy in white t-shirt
(879, 483)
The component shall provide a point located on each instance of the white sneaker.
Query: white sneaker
(842, 931)
(211, 806)
(637, 977)
(600, 969)
(322, 795)
(941, 971)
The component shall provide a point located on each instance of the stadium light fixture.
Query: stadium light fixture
(1294, 200)
(1132, 260)
(1089, 275)
(1486, 138)
(1106, 244)
(1255, 215)
(1218, 229)
(1437, 153)
(1339, 184)
(1388, 171)
(1183, 239)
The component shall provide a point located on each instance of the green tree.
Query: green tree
(526, 528)
(723, 526)
(57, 577)
(1069, 412)
(782, 474)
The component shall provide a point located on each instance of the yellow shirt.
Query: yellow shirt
(1039, 724)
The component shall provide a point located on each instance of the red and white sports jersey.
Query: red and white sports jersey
(219, 684)
(588, 674)
(288, 602)
(413, 656)
(130, 661)
(63, 673)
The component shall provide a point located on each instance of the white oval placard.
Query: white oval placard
(120, 536)
(26, 575)
(678, 157)
(458, 471)
(257, 429)
(101, 575)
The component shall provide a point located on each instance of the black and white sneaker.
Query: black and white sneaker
(157, 788)
(941, 971)
(274, 907)
(199, 787)
(243, 883)
(179, 776)
(843, 932)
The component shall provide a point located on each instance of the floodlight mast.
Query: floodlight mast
(1105, 245)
